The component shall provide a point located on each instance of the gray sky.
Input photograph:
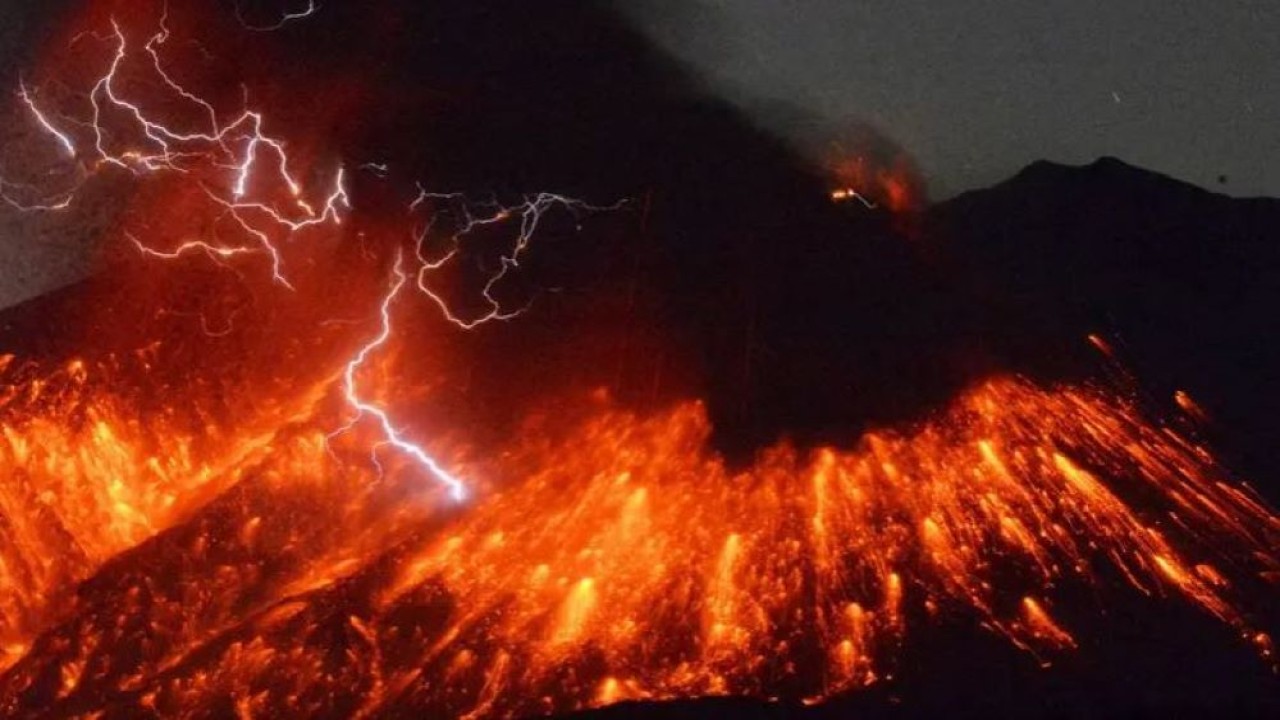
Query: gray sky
(976, 89)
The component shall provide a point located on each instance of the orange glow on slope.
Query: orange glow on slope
(90, 477)
(612, 556)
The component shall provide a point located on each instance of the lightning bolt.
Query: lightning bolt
(238, 147)
(60, 202)
(392, 436)
(286, 18)
(242, 152)
(43, 121)
(529, 212)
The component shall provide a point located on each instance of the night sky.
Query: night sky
(976, 89)
(972, 89)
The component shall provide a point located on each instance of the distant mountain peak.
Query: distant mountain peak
(1105, 164)
(1106, 168)
(1048, 183)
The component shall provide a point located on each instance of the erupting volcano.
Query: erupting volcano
(298, 448)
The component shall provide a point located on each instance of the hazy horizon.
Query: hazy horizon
(977, 89)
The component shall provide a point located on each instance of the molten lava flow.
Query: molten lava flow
(234, 548)
(613, 556)
(89, 477)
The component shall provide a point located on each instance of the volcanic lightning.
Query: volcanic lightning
(362, 407)
(43, 121)
(237, 147)
(529, 214)
(285, 18)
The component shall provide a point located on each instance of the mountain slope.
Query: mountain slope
(1183, 282)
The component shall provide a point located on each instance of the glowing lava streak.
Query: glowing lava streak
(615, 556)
(364, 407)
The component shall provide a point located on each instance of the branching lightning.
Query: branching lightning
(351, 392)
(471, 216)
(241, 151)
(238, 147)
(529, 212)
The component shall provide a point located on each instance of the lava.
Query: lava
(236, 548)
(607, 555)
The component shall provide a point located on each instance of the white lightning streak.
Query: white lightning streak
(288, 17)
(40, 118)
(362, 407)
(240, 147)
(529, 212)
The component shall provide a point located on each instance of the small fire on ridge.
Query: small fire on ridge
(274, 517)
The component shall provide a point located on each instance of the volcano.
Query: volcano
(481, 365)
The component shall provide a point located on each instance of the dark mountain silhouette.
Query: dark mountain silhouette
(1182, 281)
